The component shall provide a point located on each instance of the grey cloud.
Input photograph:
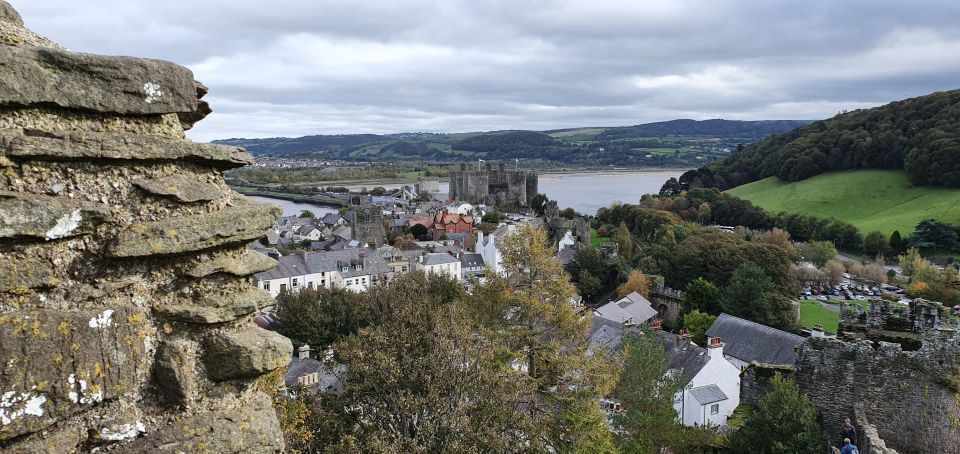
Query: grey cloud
(298, 67)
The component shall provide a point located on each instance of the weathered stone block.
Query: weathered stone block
(55, 364)
(247, 263)
(175, 371)
(250, 427)
(184, 188)
(19, 274)
(71, 80)
(248, 353)
(216, 308)
(46, 217)
(116, 145)
(245, 222)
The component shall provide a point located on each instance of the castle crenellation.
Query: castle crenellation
(493, 186)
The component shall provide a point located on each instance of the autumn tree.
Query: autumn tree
(540, 328)
(636, 282)
(833, 271)
(624, 240)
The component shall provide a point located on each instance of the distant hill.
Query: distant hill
(919, 135)
(872, 200)
(677, 143)
(707, 128)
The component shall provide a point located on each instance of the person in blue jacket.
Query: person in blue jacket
(849, 448)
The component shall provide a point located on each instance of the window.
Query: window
(714, 409)
(295, 284)
(283, 287)
(266, 285)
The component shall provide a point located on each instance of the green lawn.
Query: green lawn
(597, 240)
(881, 200)
(811, 313)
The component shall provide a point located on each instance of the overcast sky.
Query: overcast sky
(298, 67)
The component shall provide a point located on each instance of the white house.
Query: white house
(487, 246)
(711, 388)
(746, 342)
(439, 263)
(461, 208)
(354, 269)
(567, 241)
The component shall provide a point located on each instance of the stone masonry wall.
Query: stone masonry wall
(911, 397)
(125, 295)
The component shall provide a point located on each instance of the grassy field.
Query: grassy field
(597, 240)
(811, 313)
(881, 200)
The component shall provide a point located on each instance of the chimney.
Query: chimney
(303, 352)
(715, 348)
(683, 338)
(656, 326)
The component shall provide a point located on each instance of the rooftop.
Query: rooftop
(752, 342)
(633, 308)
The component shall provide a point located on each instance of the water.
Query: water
(294, 208)
(584, 192)
(587, 192)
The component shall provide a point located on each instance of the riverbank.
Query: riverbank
(296, 198)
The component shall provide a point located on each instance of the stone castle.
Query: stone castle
(125, 292)
(493, 186)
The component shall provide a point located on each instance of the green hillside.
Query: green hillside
(881, 200)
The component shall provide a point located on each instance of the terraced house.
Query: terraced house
(354, 269)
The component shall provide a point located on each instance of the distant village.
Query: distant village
(384, 237)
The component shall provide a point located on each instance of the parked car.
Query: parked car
(823, 298)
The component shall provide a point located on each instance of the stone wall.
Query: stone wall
(756, 381)
(911, 397)
(125, 294)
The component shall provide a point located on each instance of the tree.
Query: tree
(319, 317)
(752, 295)
(933, 234)
(704, 213)
(568, 213)
(378, 190)
(537, 203)
(636, 282)
(818, 252)
(701, 295)
(697, 323)
(421, 379)
(896, 242)
(624, 240)
(492, 218)
(834, 270)
(646, 391)
(589, 286)
(542, 330)
(783, 421)
(307, 214)
(875, 243)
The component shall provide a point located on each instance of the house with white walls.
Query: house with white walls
(487, 246)
(745, 342)
(440, 263)
(355, 269)
(711, 388)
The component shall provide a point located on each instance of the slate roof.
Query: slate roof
(343, 232)
(330, 218)
(471, 261)
(343, 261)
(609, 333)
(708, 394)
(752, 342)
(631, 308)
(683, 356)
(439, 259)
(327, 381)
